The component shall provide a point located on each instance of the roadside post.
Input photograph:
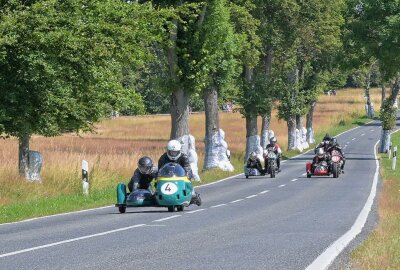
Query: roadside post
(390, 150)
(394, 158)
(85, 177)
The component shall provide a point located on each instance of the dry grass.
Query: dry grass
(114, 149)
(382, 248)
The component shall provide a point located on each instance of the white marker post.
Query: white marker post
(85, 177)
(390, 150)
(394, 158)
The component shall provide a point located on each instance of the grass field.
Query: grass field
(382, 249)
(114, 149)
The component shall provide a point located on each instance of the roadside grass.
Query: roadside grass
(382, 248)
(113, 150)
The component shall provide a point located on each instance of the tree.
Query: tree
(375, 28)
(61, 63)
(215, 68)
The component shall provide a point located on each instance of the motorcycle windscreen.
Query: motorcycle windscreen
(170, 170)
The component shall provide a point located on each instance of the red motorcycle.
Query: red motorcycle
(326, 169)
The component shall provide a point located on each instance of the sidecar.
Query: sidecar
(173, 190)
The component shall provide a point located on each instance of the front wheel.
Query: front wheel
(335, 171)
(122, 209)
(308, 175)
(247, 177)
(180, 208)
(171, 208)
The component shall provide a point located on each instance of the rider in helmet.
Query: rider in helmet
(254, 162)
(334, 145)
(174, 154)
(143, 175)
(320, 156)
(324, 144)
(277, 150)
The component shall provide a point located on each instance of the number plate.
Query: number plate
(169, 188)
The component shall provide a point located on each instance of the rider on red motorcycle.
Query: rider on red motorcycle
(334, 145)
(324, 144)
(321, 156)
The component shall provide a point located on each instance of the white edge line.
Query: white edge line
(167, 218)
(294, 180)
(281, 186)
(326, 258)
(263, 192)
(251, 196)
(218, 205)
(195, 211)
(237, 201)
(209, 184)
(69, 240)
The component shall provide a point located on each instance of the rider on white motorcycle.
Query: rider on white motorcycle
(277, 150)
(334, 145)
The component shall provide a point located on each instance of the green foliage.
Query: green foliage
(375, 28)
(216, 64)
(61, 62)
(388, 115)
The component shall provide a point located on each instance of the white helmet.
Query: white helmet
(174, 150)
(320, 152)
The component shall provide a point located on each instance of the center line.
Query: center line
(70, 240)
(195, 211)
(236, 201)
(281, 186)
(163, 219)
(353, 139)
(252, 196)
(363, 134)
(263, 192)
(219, 205)
(294, 180)
(372, 130)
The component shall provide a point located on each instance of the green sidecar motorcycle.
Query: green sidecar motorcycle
(173, 190)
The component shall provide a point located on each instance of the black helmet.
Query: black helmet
(327, 137)
(272, 141)
(145, 165)
(333, 141)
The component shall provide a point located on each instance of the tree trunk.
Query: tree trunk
(251, 134)
(383, 92)
(23, 163)
(385, 135)
(212, 126)
(299, 122)
(266, 122)
(179, 97)
(179, 113)
(368, 96)
(291, 123)
(309, 123)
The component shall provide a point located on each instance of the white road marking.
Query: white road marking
(70, 240)
(304, 174)
(353, 139)
(326, 258)
(263, 192)
(218, 205)
(167, 218)
(281, 186)
(237, 201)
(294, 180)
(252, 196)
(195, 211)
(363, 134)
(372, 130)
(348, 143)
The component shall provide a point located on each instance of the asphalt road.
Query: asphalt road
(256, 223)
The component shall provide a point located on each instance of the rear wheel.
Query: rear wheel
(272, 170)
(171, 208)
(122, 209)
(180, 208)
(247, 177)
(308, 175)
